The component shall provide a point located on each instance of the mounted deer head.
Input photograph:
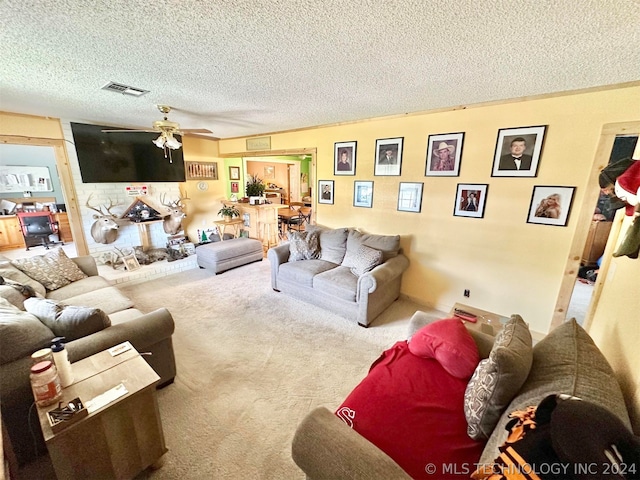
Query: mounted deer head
(173, 222)
(104, 229)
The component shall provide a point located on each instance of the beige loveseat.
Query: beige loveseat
(341, 273)
(565, 362)
(21, 334)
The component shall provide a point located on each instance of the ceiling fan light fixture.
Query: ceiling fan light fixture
(159, 142)
(172, 142)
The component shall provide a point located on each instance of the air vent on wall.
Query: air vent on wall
(124, 89)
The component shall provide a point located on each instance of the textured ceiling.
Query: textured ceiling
(257, 66)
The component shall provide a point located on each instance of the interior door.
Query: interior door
(294, 182)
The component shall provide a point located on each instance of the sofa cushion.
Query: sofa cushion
(498, 378)
(566, 361)
(89, 284)
(303, 246)
(68, 321)
(389, 245)
(13, 296)
(450, 343)
(333, 242)
(108, 299)
(338, 282)
(21, 333)
(12, 273)
(302, 273)
(411, 409)
(53, 269)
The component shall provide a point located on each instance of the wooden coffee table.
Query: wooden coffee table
(118, 440)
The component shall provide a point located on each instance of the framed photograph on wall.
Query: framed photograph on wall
(344, 158)
(518, 151)
(270, 171)
(410, 197)
(444, 152)
(325, 187)
(388, 156)
(234, 173)
(201, 170)
(363, 194)
(551, 205)
(470, 200)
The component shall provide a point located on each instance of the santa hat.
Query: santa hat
(627, 186)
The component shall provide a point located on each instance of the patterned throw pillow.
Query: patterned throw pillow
(303, 246)
(498, 378)
(365, 259)
(53, 269)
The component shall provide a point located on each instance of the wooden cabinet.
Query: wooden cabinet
(596, 242)
(10, 234)
(63, 225)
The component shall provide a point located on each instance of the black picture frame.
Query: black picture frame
(471, 199)
(363, 193)
(325, 191)
(410, 197)
(436, 165)
(551, 205)
(390, 164)
(340, 151)
(523, 142)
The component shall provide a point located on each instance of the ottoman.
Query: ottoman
(221, 256)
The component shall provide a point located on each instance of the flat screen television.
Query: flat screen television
(124, 156)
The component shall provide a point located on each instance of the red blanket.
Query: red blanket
(412, 409)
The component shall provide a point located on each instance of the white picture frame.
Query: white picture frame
(410, 197)
(363, 193)
(388, 156)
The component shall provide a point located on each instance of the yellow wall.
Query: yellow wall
(203, 205)
(616, 326)
(508, 265)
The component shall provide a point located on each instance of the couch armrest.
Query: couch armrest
(383, 273)
(142, 332)
(87, 264)
(277, 256)
(324, 447)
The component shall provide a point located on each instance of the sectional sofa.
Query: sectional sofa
(107, 319)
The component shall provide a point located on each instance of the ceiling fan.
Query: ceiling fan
(167, 129)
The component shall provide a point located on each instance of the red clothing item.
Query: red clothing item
(413, 410)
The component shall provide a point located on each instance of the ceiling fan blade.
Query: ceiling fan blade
(129, 130)
(195, 130)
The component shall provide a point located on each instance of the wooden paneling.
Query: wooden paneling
(10, 234)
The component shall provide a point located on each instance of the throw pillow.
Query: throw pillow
(10, 272)
(303, 246)
(53, 269)
(333, 243)
(449, 342)
(498, 378)
(68, 321)
(365, 259)
(389, 245)
(21, 333)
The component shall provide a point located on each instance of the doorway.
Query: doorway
(604, 153)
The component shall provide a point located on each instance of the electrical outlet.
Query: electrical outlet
(467, 293)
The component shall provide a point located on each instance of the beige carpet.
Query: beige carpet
(251, 364)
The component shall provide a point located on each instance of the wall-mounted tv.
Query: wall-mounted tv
(124, 156)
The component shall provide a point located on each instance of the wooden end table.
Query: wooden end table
(122, 438)
(488, 322)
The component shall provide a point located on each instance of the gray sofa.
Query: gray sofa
(566, 361)
(329, 280)
(149, 332)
